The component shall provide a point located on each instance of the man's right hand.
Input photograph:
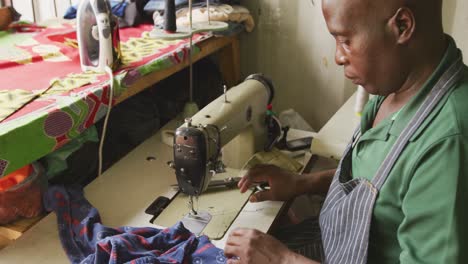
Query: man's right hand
(284, 185)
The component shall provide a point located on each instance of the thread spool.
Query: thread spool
(170, 17)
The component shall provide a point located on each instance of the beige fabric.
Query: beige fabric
(224, 13)
(11, 101)
(273, 157)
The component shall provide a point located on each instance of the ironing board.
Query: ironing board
(46, 100)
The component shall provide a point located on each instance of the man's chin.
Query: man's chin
(356, 81)
(376, 90)
(370, 89)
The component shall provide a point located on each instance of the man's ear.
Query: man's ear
(402, 25)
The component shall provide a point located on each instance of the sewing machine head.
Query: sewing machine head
(241, 114)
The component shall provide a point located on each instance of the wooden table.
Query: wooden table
(121, 195)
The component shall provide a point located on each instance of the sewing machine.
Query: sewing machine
(240, 112)
(219, 140)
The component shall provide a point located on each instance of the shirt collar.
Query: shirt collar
(408, 111)
(379, 132)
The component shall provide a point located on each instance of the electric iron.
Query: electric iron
(98, 35)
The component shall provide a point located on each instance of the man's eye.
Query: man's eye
(344, 42)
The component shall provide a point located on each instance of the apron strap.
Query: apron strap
(445, 84)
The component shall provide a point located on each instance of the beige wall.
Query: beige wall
(292, 45)
(40, 10)
(456, 23)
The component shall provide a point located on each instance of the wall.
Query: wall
(292, 45)
(39, 10)
(456, 23)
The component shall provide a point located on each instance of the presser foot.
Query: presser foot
(196, 223)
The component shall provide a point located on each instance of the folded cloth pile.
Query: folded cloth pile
(224, 13)
(86, 240)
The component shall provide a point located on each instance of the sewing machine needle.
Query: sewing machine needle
(192, 207)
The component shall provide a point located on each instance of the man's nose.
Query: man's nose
(340, 57)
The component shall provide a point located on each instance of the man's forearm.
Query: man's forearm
(315, 183)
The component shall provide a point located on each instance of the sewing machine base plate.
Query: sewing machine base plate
(223, 204)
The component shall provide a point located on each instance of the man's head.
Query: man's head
(378, 42)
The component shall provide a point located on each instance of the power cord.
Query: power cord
(106, 119)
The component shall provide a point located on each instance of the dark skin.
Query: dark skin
(386, 53)
(383, 46)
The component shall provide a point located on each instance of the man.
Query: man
(399, 193)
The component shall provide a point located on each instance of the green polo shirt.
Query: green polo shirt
(421, 212)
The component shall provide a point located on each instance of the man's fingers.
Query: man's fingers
(253, 177)
(244, 185)
(232, 251)
(237, 237)
(261, 196)
(235, 248)
(257, 174)
(235, 243)
(233, 261)
(249, 181)
(239, 232)
(241, 182)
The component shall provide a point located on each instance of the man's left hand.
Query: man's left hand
(246, 246)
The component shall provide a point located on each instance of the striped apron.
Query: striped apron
(345, 218)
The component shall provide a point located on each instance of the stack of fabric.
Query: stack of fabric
(225, 13)
(134, 12)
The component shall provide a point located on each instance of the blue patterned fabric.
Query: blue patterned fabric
(86, 240)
